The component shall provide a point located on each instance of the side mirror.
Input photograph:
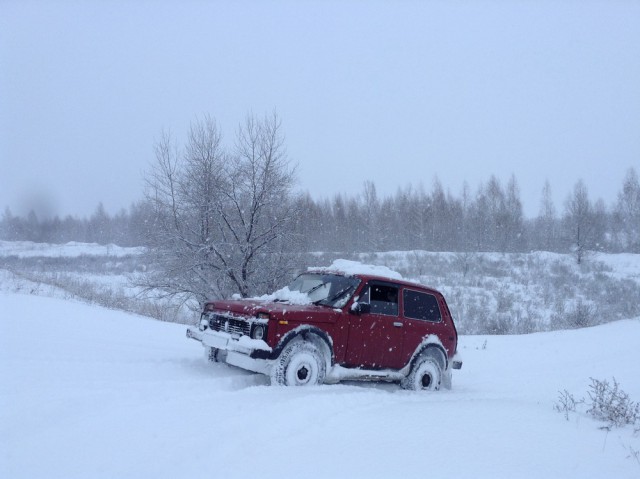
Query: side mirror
(361, 308)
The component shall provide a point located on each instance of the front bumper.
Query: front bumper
(242, 351)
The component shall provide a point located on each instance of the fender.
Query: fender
(304, 331)
(429, 342)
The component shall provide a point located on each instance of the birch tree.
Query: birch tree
(578, 221)
(628, 211)
(221, 216)
(546, 229)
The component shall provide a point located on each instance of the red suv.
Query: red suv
(348, 321)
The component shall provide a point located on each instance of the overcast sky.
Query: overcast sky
(393, 92)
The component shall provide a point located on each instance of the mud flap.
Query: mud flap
(446, 379)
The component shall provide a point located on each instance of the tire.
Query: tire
(301, 363)
(426, 375)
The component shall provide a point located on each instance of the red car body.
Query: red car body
(363, 327)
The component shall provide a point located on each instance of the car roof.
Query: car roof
(372, 277)
(402, 282)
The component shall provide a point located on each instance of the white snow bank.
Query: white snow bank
(350, 268)
(624, 265)
(27, 249)
(89, 392)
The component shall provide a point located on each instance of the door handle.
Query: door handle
(397, 324)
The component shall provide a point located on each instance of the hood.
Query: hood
(251, 308)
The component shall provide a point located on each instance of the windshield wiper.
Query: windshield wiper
(335, 297)
(316, 287)
(341, 293)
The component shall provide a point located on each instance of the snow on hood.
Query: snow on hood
(285, 295)
(351, 268)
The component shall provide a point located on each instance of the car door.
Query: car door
(375, 337)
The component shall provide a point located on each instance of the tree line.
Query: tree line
(126, 228)
(489, 219)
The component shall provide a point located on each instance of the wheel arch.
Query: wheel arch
(307, 333)
(431, 346)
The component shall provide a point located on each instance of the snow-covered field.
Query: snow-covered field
(28, 249)
(89, 392)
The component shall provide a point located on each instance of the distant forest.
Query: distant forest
(487, 219)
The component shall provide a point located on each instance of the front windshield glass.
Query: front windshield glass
(326, 289)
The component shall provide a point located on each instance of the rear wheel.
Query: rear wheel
(301, 363)
(426, 375)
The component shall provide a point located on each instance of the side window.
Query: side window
(382, 298)
(419, 305)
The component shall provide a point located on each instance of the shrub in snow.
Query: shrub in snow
(566, 403)
(606, 402)
(609, 403)
(581, 315)
(499, 323)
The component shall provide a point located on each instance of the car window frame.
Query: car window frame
(435, 297)
(386, 284)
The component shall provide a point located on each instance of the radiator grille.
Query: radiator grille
(218, 322)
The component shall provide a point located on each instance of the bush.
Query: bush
(581, 315)
(610, 404)
(566, 403)
(607, 402)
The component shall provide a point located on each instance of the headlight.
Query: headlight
(203, 324)
(258, 332)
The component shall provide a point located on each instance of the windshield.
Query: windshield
(326, 289)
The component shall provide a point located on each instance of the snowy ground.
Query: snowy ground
(94, 393)
(73, 249)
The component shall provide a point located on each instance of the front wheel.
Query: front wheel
(426, 375)
(301, 363)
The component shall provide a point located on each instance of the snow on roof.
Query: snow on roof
(351, 268)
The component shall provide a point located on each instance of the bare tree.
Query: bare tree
(256, 208)
(99, 226)
(464, 226)
(628, 211)
(439, 231)
(513, 217)
(371, 216)
(221, 217)
(578, 220)
(546, 223)
(498, 215)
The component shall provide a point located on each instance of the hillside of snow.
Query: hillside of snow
(89, 392)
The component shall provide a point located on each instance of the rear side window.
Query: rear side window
(419, 305)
